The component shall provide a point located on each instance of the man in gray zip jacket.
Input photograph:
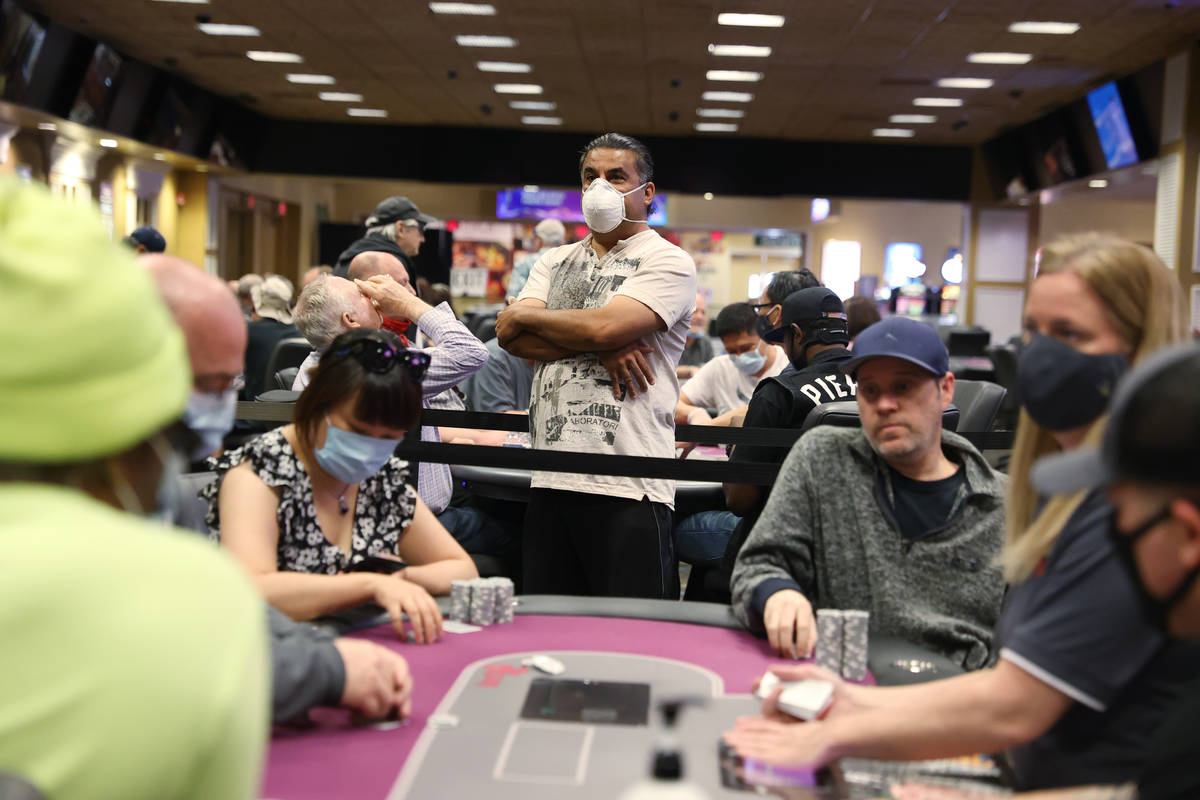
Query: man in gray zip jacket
(900, 518)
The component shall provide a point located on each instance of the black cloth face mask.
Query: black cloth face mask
(1062, 388)
(1158, 610)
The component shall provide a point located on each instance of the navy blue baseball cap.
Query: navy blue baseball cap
(903, 338)
(148, 238)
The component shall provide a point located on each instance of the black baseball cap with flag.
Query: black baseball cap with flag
(808, 307)
(1153, 433)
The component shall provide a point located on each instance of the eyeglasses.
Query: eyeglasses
(758, 307)
(412, 223)
(379, 357)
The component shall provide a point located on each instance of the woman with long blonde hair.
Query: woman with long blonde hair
(1083, 675)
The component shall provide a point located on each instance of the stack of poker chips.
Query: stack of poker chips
(482, 601)
(842, 639)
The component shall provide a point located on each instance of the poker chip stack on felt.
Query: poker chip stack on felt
(855, 627)
(460, 600)
(829, 640)
(482, 601)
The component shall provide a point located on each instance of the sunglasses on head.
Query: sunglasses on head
(379, 357)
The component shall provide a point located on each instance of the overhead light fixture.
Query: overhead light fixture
(472, 9)
(160, 157)
(321, 80)
(340, 97)
(732, 75)
(517, 88)
(966, 83)
(999, 58)
(751, 20)
(47, 126)
(708, 195)
(727, 97)
(1051, 28)
(542, 120)
(273, 57)
(912, 119)
(739, 50)
(366, 112)
(485, 41)
(726, 113)
(938, 102)
(110, 143)
(894, 133)
(716, 127)
(532, 105)
(224, 29)
(1098, 183)
(502, 66)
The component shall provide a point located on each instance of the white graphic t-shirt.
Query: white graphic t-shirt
(720, 385)
(571, 407)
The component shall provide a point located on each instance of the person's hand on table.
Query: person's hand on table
(628, 367)
(791, 628)
(377, 680)
(399, 596)
(844, 700)
(393, 299)
(781, 744)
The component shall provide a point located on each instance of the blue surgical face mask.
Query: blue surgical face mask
(1062, 388)
(210, 417)
(352, 457)
(750, 361)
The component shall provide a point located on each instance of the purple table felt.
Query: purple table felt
(332, 758)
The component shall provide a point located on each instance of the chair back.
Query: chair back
(968, 342)
(289, 352)
(844, 414)
(978, 402)
(286, 377)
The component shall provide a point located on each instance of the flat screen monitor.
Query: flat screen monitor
(561, 204)
(1112, 126)
(21, 40)
(95, 98)
(172, 121)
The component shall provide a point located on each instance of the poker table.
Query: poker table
(467, 735)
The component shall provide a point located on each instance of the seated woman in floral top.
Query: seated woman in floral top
(300, 505)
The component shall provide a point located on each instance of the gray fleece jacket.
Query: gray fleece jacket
(828, 530)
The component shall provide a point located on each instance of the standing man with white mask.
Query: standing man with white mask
(606, 319)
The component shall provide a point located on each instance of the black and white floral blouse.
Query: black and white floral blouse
(384, 510)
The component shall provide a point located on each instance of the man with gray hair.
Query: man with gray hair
(547, 234)
(396, 226)
(245, 293)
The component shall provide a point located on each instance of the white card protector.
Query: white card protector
(452, 626)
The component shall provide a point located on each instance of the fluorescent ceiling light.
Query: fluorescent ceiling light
(542, 120)
(727, 97)
(751, 20)
(739, 50)
(517, 88)
(726, 113)
(1098, 183)
(474, 9)
(938, 102)
(108, 142)
(716, 127)
(47, 126)
(999, 58)
(321, 80)
(502, 66)
(912, 119)
(894, 133)
(366, 112)
(732, 75)
(274, 57)
(485, 41)
(532, 105)
(1052, 28)
(340, 97)
(966, 83)
(222, 29)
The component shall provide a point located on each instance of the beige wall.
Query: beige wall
(1129, 219)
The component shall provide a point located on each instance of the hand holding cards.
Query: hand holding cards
(806, 700)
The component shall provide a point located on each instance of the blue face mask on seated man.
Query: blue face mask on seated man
(352, 457)
(749, 362)
(1062, 388)
(210, 417)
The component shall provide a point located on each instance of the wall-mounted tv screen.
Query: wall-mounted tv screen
(21, 39)
(95, 99)
(172, 121)
(1112, 126)
(561, 204)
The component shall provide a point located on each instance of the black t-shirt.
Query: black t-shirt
(1172, 770)
(922, 507)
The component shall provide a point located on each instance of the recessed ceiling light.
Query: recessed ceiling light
(894, 133)
(108, 143)
(1052, 28)
(517, 88)
(223, 29)
(47, 126)
(725, 113)
(366, 112)
(708, 195)
(727, 97)
(716, 127)
(999, 58)
(274, 57)
(912, 119)
(938, 102)
(322, 80)
(340, 97)
(532, 105)
(485, 41)
(966, 83)
(502, 66)
(739, 50)
(732, 75)
(160, 157)
(1098, 183)
(474, 9)
(542, 120)
(751, 20)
